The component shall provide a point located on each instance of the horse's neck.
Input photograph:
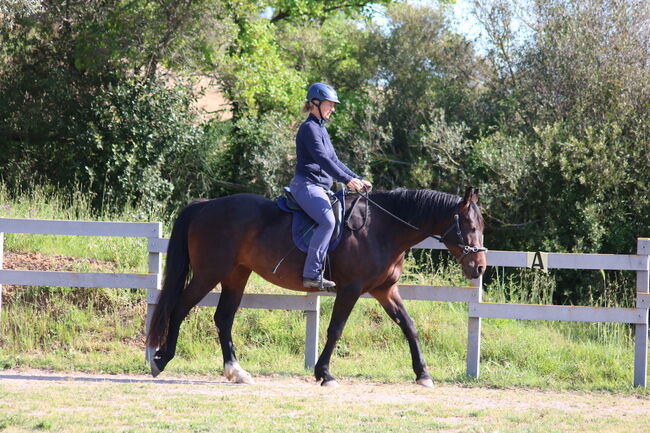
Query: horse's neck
(403, 235)
(408, 238)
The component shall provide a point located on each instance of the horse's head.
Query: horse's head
(464, 237)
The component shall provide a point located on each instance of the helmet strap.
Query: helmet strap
(313, 101)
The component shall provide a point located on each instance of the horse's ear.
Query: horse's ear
(468, 198)
(471, 195)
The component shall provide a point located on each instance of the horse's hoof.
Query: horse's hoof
(247, 379)
(427, 383)
(331, 383)
(155, 371)
(244, 378)
(236, 374)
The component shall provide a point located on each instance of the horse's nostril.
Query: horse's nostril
(480, 269)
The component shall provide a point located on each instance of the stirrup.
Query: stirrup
(319, 283)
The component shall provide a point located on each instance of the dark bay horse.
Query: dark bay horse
(225, 239)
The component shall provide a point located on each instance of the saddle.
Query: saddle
(302, 226)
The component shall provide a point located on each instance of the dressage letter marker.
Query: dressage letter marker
(537, 260)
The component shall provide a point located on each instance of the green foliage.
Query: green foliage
(571, 108)
(260, 158)
(424, 68)
(125, 144)
(332, 51)
(257, 74)
(258, 79)
(362, 139)
(10, 9)
(587, 63)
(81, 104)
(297, 10)
(134, 137)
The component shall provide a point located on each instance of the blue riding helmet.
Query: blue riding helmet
(322, 92)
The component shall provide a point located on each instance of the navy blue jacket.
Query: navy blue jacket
(316, 159)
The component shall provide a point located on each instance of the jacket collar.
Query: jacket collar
(321, 122)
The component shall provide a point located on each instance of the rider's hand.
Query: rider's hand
(366, 185)
(356, 184)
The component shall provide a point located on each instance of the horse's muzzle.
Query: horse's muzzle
(474, 265)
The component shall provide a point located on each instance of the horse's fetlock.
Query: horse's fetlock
(320, 372)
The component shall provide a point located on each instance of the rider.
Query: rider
(316, 165)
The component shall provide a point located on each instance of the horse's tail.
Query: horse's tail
(177, 267)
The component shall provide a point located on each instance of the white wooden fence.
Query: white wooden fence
(311, 303)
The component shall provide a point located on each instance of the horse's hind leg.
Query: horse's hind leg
(232, 290)
(196, 290)
(390, 299)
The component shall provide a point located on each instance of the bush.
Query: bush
(261, 156)
(136, 138)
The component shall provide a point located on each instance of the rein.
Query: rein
(467, 249)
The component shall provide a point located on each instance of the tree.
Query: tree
(257, 73)
(11, 9)
(583, 61)
(424, 70)
(81, 97)
(579, 95)
(265, 74)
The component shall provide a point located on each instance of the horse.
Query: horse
(223, 240)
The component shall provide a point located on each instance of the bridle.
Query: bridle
(454, 228)
(466, 249)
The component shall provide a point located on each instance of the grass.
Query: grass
(101, 330)
(280, 405)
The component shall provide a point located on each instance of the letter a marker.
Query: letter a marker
(538, 260)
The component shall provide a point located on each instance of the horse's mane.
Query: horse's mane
(415, 205)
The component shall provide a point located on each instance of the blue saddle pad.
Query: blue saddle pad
(302, 226)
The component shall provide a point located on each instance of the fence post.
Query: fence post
(2, 256)
(155, 267)
(641, 330)
(311, 336)
(474, 334)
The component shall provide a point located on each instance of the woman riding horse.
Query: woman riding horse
(221, 241)
(316, 165)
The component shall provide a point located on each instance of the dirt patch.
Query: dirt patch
(29, 261)
(596, 405)
(212, 101)
(42, 262)
(279, 404)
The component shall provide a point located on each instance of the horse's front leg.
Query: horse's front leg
(390, 299)
(345, 300)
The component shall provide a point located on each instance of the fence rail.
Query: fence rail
(156, 246)
(79, 279)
